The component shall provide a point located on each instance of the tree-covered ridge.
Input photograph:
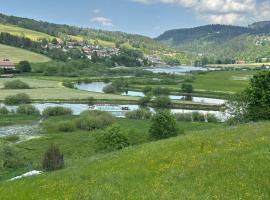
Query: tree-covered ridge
(223, 41)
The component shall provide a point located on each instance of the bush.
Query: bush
(90, 101)
(24, 66)
(198, 117)
(187, 88)
(91, 120)
(163, 125)
(53, 159)
(110, 89)
(143, 101)
(66, 126)
(147, 90)
(16, 84)
(10, 158)
(27, 109)
(4, 111)
(11, 138)
(56, 111)
(17, 99)
(184, 117)
(139, 114)
(162, 102)
(160, 91)
(112, 139)
(211, 118)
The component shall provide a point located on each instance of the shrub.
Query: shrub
(184, 117)
(90, 101)
(110, 89)
(160, 91)
(12, 138)
(66, 126)
(27, 109)
(198, 117)
(139, 114)
(143, 101)
(147, 90)
(187, 88)
(24, 66)
(68, 84)
(112, 139)
(10, 158)
(90, 120)
(17, 99)
(4, 111)
(163, 125)
(162, 102)
(211, 118)
(16, 84)
(56, 111)
(53, 159)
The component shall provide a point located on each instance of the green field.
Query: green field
(247, 65)
(16, 55)
(211, 163)
(22, 32)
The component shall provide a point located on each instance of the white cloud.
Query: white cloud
(103, 21)
(222, 11)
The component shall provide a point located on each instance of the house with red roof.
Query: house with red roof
(6, 64)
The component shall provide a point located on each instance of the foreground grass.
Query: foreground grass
(16, 55)
(7, 120)
(228, 163)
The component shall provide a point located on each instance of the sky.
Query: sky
(145, 17)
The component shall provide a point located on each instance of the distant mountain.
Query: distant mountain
(222, 41)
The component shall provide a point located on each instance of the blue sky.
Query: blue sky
(146, 17)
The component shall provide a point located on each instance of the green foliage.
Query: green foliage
(53, 159)
(147, 90)
(56, 111)
(112, 139)
(10, 158)
(143, 101)
(198, 117)
(24, 66)
(163, 126)
(91, 120)
(110, 89)
(4, 111)
(11, 138)
(27, 109)
(183, 117)
(162, 102)
(17, 99)
(16, 84)
(66, 126)
(187, 88)
(211, 118)
(139, 114)
(160, 91)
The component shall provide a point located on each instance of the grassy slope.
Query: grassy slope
(33, 35)
(16, 55)
(228, 163)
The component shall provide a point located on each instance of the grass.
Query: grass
(22, 32)
(247, 65)
(16, 55)
(8, 120)
(225, 81)
(217, 163)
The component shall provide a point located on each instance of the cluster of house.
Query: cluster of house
(87, 48)
(7, 65)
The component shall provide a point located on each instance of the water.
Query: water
(176, 70)
(133, 94)
(92, 87)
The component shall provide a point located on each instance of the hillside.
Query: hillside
(222, 41)
(220, 163)
(16, 55)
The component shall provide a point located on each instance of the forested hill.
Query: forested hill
(58, 30)
(222, 41)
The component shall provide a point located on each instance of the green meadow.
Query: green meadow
(16, 55)
(210, 161)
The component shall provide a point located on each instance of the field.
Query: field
(16, 55)
(33, 35)
(247, 65)
(211, 163)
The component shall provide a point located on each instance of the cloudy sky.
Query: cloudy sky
(147, 17)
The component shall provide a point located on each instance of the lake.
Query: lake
(176, 69)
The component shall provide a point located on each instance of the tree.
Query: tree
(163, 125)
(54, 41)
(162, 102)
(187, 88)
(24, 66)
(53, 159)
(258, 97)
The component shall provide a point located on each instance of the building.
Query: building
(6, 64)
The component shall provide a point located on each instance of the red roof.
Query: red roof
(6, 63)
